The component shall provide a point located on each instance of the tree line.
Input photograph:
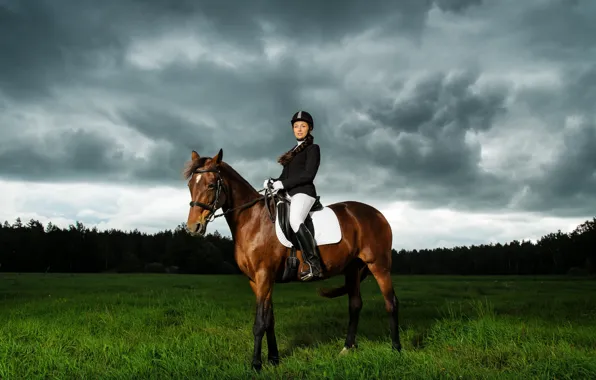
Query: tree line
(33, 247)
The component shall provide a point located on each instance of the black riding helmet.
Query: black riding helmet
(303, 116)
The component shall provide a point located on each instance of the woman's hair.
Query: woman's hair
(285, 158)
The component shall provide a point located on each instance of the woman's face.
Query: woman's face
(300, 129)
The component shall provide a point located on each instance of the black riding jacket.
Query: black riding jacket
(298, 175)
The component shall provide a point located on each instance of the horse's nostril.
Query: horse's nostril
(197, 227)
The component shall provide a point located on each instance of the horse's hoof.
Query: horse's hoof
(257, 366)
(396, 346)
(346, 350)
(274, 360)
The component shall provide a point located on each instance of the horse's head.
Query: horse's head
(207, 190)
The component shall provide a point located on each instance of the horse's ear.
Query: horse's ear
(194, 156)
(218, 157)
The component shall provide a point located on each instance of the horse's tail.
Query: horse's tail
(342, 290)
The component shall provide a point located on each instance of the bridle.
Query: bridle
(212, 207)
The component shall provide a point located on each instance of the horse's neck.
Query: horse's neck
(240, 193)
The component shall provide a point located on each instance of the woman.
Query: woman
(300, 166)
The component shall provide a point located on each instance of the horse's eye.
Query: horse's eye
(211, 186)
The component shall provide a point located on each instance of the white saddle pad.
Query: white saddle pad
(326, 224)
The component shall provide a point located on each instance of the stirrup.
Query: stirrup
(308, 274)
(307, 277)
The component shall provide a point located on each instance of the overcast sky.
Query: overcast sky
(463, 121)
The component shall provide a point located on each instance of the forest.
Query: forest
(33, 247)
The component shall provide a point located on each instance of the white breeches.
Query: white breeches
(299, 208)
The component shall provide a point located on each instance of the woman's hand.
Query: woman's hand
(277, 185)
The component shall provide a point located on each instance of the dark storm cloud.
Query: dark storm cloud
(570, 183)
(91, 156)
(559, 30)
(163, 125)
(424, 142)
(313, 20)
(579, 96)
(456, 5)
(61, 155)
(46, 42)
(567, 185)
(444, 104)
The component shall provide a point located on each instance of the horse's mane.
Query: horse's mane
(192, 165)
(233, 173)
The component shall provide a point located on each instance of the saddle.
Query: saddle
(283, 215)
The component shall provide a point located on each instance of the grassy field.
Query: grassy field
(179, 326)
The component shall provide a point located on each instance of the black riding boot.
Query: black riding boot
(310, 253)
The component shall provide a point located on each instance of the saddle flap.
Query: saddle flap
(324, 225)
(283, 215)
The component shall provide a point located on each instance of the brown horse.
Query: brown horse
(365, 246)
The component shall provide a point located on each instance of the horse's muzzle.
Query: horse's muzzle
(197, 229)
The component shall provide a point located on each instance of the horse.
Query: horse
(365, 247)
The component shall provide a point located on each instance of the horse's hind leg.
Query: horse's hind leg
(382, 274)
(355, 305)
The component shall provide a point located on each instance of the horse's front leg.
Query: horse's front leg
(273, 353)
(264, 321)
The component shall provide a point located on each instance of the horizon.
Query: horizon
(216, 232)
(464, 122)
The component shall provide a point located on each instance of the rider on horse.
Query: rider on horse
(300, 166)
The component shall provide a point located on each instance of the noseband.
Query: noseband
(212, 206)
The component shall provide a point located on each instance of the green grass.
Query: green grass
(61, 326)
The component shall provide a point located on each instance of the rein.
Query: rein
(212, 206)
(248, 204)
